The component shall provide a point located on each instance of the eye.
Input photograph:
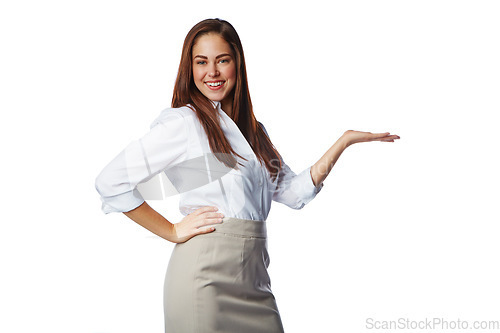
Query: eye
(223, 61)
(201, 62)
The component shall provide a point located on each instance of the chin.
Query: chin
(216, 98)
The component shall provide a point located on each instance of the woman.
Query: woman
(217, 279)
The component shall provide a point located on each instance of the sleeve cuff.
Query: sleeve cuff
(314, 189)
(307, 190)
(122, 203)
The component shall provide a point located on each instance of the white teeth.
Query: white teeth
(215, 84)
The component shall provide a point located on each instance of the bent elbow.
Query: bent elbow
(98, 183)
(298, 206)
(103, 184)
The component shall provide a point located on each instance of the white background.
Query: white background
(405, 229)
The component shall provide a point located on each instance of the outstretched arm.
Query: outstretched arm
(321, 169)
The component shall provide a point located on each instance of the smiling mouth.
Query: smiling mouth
(215, 85)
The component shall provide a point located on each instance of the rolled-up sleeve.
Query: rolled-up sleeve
(294, 190)
(165, 145)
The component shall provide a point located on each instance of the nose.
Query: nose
(213, 71)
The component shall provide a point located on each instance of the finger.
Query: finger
(380, 135)
(213, 215)
(204, 221)
(205, 209)
(205, 230)
(392, 137)
(211, 220)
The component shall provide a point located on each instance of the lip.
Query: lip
(215, 88)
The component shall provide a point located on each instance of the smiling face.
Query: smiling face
(214, 69)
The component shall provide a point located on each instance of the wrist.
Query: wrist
(344, 142)
(170, 233)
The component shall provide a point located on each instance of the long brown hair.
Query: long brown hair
(186, 92)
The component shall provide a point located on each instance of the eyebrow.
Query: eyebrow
(219, 56)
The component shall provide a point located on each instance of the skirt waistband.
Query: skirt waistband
(243, 227)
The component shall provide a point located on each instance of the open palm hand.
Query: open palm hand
(350, 137)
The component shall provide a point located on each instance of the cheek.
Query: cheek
(197, 74)
(231, 73)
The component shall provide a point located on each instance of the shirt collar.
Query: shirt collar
(216, 104)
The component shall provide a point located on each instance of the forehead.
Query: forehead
(211, 44)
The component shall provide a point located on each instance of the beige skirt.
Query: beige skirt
(218, 282)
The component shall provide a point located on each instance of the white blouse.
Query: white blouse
(177, 147)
